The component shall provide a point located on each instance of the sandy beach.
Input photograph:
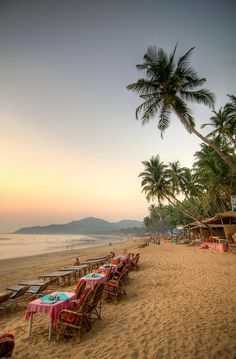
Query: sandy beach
(179, 304)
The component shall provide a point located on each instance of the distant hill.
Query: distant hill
(88, 225)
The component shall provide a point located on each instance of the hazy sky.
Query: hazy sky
(70, 146)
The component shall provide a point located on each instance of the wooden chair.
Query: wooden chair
(134, 262)
(37, 291)
(7, 344)
(79, 295)
(115, 289)
(71, 323)
(96, 301)
(3, 300)
(17, 297)
(126, 270)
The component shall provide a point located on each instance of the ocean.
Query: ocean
(23, 245)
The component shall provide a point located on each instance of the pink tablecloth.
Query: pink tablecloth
(92, 281)
(36, 306)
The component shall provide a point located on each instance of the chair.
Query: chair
(3, 300)
(17, 297)
(134, 262)
(71, 323)
(96, 301)
(115, 289)
(7, 344)
(126, 270)
(37, 291)
(79, 295)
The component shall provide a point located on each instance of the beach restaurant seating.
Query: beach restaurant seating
(39, 290)
(96, 302)
(72, 322)
(16, 297)
(134, 262)
(114, 288)
(3, 299)
(7, 344)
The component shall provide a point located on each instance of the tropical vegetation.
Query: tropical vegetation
(182, 194)
(167, 88)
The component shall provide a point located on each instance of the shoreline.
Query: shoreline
(47, 262)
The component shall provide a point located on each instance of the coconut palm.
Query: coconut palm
(165, 90)
(157, 184)
(230, 108)
(218, 180)
(224, 125)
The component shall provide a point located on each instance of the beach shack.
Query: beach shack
(216, 232)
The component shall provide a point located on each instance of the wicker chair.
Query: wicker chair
(115, 289)
(7, 344)
(96, 302)
(79, 295)
(134, 262)
(71, 323)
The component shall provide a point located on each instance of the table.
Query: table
(91, 281)
(105, 269)
(58, 275)
(36, 306)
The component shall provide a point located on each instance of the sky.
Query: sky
(70, 146)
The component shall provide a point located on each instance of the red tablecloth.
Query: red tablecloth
(36, 306)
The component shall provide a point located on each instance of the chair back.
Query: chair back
(80, 288)
(85, 300)
(7, 344)
(97, 294)
(19, 293)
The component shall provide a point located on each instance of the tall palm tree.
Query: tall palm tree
(166, 88)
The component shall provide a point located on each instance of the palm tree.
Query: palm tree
(157, 184)
(220, 125)
(230, 108)
(218, 180)
(166, 88)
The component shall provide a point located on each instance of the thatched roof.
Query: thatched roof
(216, 218)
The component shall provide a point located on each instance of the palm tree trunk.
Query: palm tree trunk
(183, 211)
(224, 157)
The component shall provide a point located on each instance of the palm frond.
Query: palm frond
(142, 86)
(164, 119)
(183, 61)
(202, 96)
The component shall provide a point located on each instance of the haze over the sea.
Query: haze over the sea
(70, 145)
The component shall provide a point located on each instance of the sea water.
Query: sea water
(21, 245)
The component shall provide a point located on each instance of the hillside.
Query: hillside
(88, 225)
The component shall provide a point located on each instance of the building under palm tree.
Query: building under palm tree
(216, 231)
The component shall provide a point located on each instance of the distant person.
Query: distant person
(76, 262)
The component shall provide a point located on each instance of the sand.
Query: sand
(181, 303)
